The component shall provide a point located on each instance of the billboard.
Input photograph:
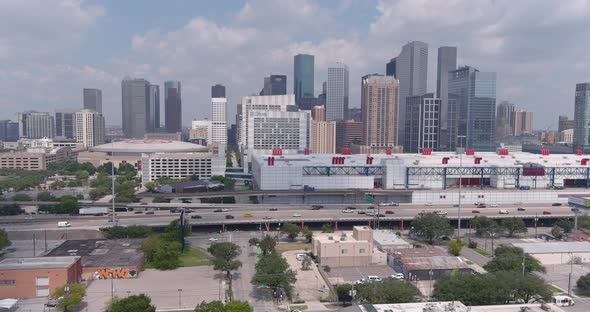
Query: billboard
(579, 201)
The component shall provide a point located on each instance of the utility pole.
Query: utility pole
(569, 281)
(523, 259)
(34, 245)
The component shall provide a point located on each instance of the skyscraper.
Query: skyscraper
(274, 85)
(90, 127)
(582, 116)
(318, 113)
(93, 99)
(422, 123)
(522, 122)
(35, 125)
(218, 115)
(135, 94)
(153, 116)
(303, 76)
(323, 137)
(565, 123)
(380, 110)
(446, 62)
(473, 124)
(337, 92)
(173, 103)
(64, 124)
(504, 120)
(390, 68)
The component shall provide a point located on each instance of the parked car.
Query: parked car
(229, 217)
(273, 209)
(474, 211)
(296, 215)
(196, 217)
(546, 212)
(361, 212)
(520, 209)
(399, 276)
(347, 210)
(556, 204)
(267, 217)
(389, 212)
(300, 256)
(440, 213)
(503, 211)
(149, 213)
(374, 278)
(217, 210)
(213, 239)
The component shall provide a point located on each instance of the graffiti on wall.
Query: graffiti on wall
(118, 273)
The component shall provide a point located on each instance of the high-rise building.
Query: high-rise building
(218, 115)
(565, 123)
(422, 123)
(390, 68)
(522, 122)
(90, 128)
(153, 111)
(473, 123)
(201, 132)
(274, 85)
(380, 110)
(318, 113)
(355, 113)
(3, 130)
(92, 99)
(567, 136)
(337, 92)
(446, 62)
(323, 137)
(35, 125)
(322, 96)
(12, 131)
(251, 103)
(64, 124)
(582, 116)
(135, 100)
(173, 103)
(303, 77)
(348, 132)
(504, 120)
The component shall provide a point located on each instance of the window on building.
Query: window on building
(344, 251)
(362, 250)
(42, 281)
(7, 282)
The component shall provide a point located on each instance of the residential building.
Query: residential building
(336, 250)
(274, 85)
(522, 123)
(318, 113)
(323, 137)
(38, 277)
(303, 77)
(36, 125)
(90, 128)
(475, 95)
(65, 124)
(423, 115)
(153, 122)
(180, 166)
(337, 93)
(92, 99)
(173, 103)
(135, 100)
(446, 62)
(380, 110)
(201, 132)
(565, 123)
(218, 116)
(348, 132)
(504, 121)
(567, 136)
(582, 116)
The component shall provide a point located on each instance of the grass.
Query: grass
(301, 307)
(282, 247)
(482, 252)
(555, 289)
(194, 257)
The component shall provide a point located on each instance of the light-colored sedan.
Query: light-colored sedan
(347, 211)
(296, 215)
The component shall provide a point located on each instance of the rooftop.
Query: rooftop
(148, 146)
(37, 263)
(389, 238)
(102, 252)
(553, 247)
(342, 237)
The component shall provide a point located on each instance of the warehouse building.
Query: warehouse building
(557, 252)
(419, 264)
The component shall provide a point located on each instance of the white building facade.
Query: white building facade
(180, 166)
(219, 120)
(90, 128)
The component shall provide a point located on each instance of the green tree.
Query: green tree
(4, 241)
(388, 291)
(70, 299)
(513, 225)
(225, 259)
(127, 170)
(10, 210)
(508, 258)
(566, 225)
(69, 204)
(22, 197)
(292, 230)
(106, 168)
(274, 272)
(430, 227)
(483, 225)
(238, 306)
(556, 232)
(253, 241)
(161, 254)
(583, 283)
(307, 233)
(267, 245)
(343, 293)
(45, 196)
(82, 175)
(306, 263)
(131, 231)
(213, 306)
(327, 228)
(455, 246)
(135, 303)
(228, 183)
(150, 186)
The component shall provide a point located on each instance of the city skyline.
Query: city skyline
(485, 36)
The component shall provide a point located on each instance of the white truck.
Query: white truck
(93, 211)
(62, 224)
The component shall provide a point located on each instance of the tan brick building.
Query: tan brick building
(323, 137)
(340, 250)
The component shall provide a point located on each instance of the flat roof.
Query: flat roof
(102, 252)
(388, 238)
(337, 238)
(553, 247)
(37, 263)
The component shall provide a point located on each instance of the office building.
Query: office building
(422, 122)
(504, 121)
(566, 136)
(153, 122)
(473, 124)
(565, 123)
(582, 116)
(348, 132)
(323, 137)
(343, 250)
(34, 158)
(218, 115)
(92, 99)
(201, 132)
(337, 92)
(446, 62)
(90, 128)
(173, 103)
(303, 77)
(318, 113)
(36, 125)
(322, 96)
(8, 131)
(274, 85)
(64, 124)
(180, 166)
(307, 103)
(390, 68)
(135, 99)
(380, 110)
(522, 123)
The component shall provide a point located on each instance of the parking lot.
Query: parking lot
(352, 274)
(310, 285)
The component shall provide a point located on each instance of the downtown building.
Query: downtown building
(65, 124)
(8, 131)
(446, 62)
(140, 107)
(323, 137)
(35, 125)
(218, 115)
(90, 128)
(92, 99)
(337, 92)
(380, 108)
(173, 106)
(180, 166)
(422, 123)
(582, 117)
(522, 122)
(303, 81)
(274, 85)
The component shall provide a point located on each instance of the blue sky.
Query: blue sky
(51, 49)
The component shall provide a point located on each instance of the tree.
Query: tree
(22, 197)
(307, 233)
(150, 186)
(45, 196)
(253, 241)
(160, 253)
(131, 231)
(430, 227)
(4, 241)
(327, 228)
(69, 205)
(388, 291)
(306, 263)
(70, 299)
(556, 232)
(583, 282)
(238, 306)
(274, 272)
(483, 225)
(217, 306)
(267, 245)
(513, 225)
(343, 293)
(10, 210)
(135, 303)
(126, 169)
(82, 175)
(292, 230)
(508, 258)
(455, 246)
(225, 256)
(566, 225)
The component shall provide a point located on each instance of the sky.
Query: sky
(51, 49)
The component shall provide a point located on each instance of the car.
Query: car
(188, 211)
(229, 217)
(300, 256)
(213, 239)
(144, 203)
(267, 217)
(360, 281)
(389, 212)
(247, 215)
(347, 210)
(64, 224)
(371, 214)
(380, 215)
(455, 205)
(226, 209)
(503, 211)
(273, 209)
(440, 213)
(149, 213)
(174, 210)
(371, 207)
(374, 278)
(520, 209)
(361, 212)
(296, 215)
(494, 205)
(428, 204)
(556, 204)
(546, 212)
(315, 207)
(351, 207)
(481, 206)
(399, 276)
(138, 212)
(474, 211)
(217, 210)
(196, 217)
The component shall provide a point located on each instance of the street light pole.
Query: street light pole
(180, 298)
(113, 179)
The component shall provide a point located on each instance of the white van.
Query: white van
(374, 278)
(563, 301)
(63, 224)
